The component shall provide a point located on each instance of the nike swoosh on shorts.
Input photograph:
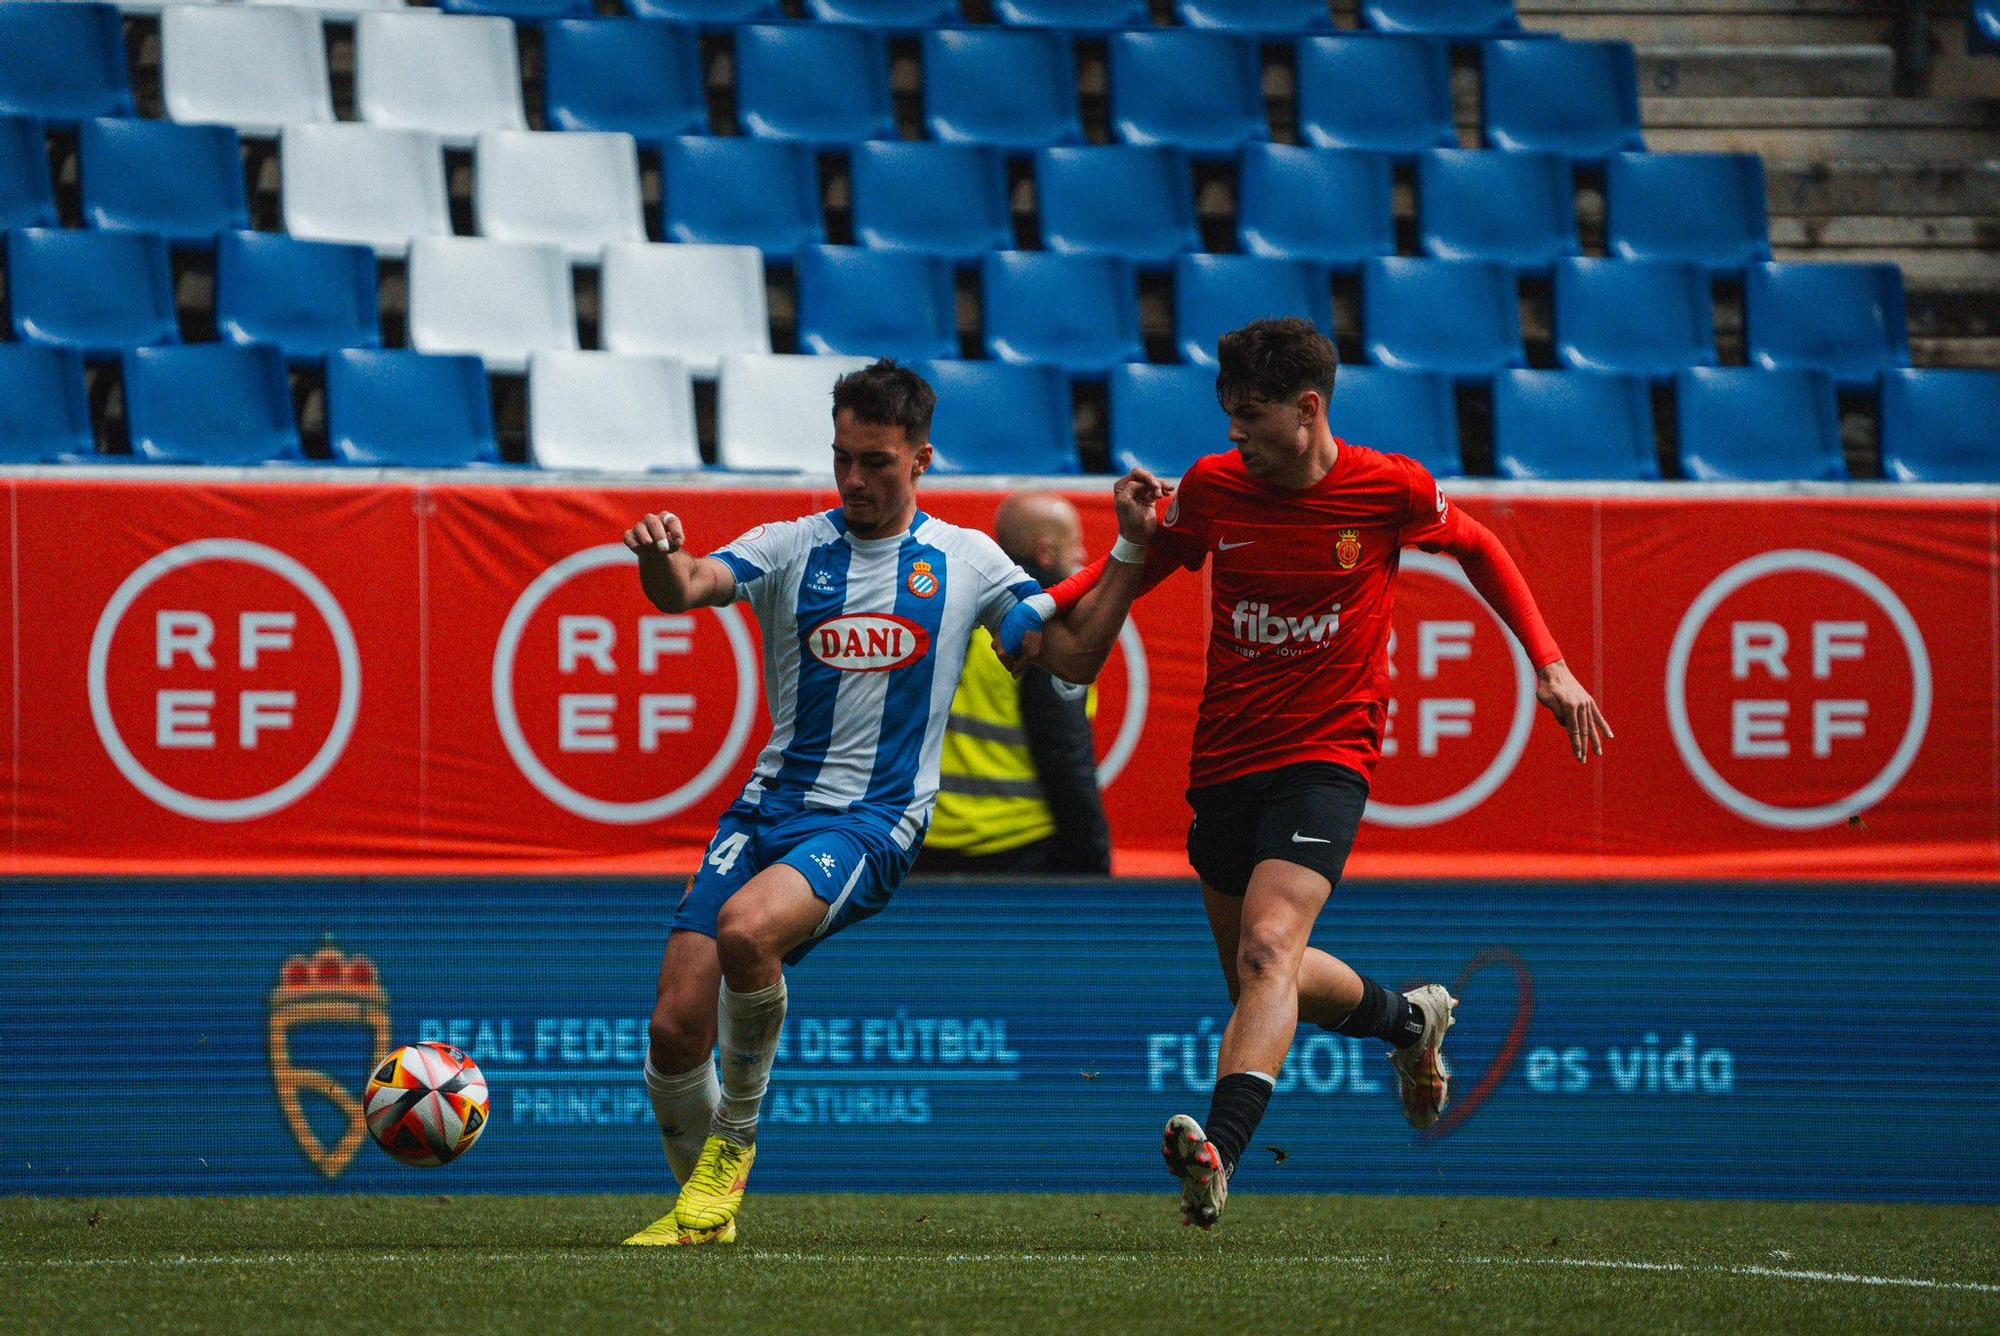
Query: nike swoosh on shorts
(1308, 839)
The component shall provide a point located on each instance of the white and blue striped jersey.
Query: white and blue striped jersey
(864, 641)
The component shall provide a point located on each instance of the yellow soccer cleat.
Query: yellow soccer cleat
(694, 1237)
(662, 1233)
(714, 1191)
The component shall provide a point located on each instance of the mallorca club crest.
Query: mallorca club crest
(923, 582)
(326, 988)
(1347, 550)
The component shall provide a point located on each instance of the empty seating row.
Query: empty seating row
(103, 292)
(258, 68)
(582, 190)
(1735, 424)
(223, 404)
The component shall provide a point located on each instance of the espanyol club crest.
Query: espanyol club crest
(1347, 550)
(922, 582)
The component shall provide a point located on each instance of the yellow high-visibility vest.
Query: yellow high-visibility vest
(989, 799)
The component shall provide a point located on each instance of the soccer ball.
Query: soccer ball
(426, 1104)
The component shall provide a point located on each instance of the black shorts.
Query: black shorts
(1306, 814)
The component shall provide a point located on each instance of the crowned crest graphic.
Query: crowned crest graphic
(325, 988)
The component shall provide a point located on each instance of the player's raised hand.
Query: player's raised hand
(1137, 496)
(1564, 697)
(657, 534)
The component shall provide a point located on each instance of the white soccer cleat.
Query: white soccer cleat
(1193, 1159)
(1421, 1072)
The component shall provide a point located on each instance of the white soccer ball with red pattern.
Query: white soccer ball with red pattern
(426, 1104)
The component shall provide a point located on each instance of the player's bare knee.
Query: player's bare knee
(742, 942)
(678, 1043)
(1261, 957)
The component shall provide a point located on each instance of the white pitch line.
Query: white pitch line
(961, 1259)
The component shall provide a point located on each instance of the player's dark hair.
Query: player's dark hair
(888, 394)
(1273, 360)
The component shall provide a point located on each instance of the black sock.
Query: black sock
(1234, 1112)
(1383, 1015)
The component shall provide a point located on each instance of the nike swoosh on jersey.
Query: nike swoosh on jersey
(1308, 839)
(1222, 546)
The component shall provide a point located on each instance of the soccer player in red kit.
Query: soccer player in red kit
(1302, 532)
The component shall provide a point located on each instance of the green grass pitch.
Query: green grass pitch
(996, 1263)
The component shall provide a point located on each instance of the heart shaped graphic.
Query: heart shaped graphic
(1464, 1106)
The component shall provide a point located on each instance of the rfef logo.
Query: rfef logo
(867, 642)
(327, 988)
(1461, 703)
(613, 711)
(212, 680)
(1798, 689)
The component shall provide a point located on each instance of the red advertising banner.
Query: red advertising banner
(304, 678)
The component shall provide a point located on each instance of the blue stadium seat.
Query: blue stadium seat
(895, 15)
(1403, 307)
(1001, 417)
(711, 14)
(524, 11)
(1202, 92)
(44, 413)
(741, 192)
(183, 182)
(97, 292)
(401, 409)
(1940, 426)
(1517, 208)
(633, 77)
(1642, 317)
(1164, 418)
(62, 62)
(1746, 424)
(1844, 319)
(27, 192)
(824, 84)
(1074, 15)
(1007, 88)
(1126, 200)
(1575, 98)
(1463, 19)
(1077, 312)
(1214, 294)
(1709, 208)
(858, 302)
(942, 199)
(1412, 413)
(1367, 91)
(1586, 426)
(304, 298)
(1985, 31)
(210, 403)
(1332, 206)
(1264, 18)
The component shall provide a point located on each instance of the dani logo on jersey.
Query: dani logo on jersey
(1255, 624)
(868, 642)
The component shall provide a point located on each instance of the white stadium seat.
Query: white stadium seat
(332, 9)
(255, 69)
(160, 6)
(449, 74)
(576, 190)
(363, 184)
(776, 412)
(591, 410)
(500, 300)
(690, 302)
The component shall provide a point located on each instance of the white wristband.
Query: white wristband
(1129, 552)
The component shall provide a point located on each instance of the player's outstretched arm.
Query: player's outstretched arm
(1073, 636)
(672, 579)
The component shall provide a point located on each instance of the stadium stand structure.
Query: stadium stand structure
(1345, 137)
(44, 417)
(1573, 426)
(397, 408)
(1001, 417)
(619, 411)
(1412, 413)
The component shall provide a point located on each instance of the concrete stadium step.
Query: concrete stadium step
(1944, 270)
(1929, 232)
(1866, 70)
(1899, 189)
(1727, 21)
(1826, 128)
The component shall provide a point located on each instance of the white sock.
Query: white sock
(749, 1023)
(684, 1103)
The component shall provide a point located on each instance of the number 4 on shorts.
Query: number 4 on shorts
(726, 851)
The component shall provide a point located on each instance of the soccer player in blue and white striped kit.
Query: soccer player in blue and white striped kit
(866, 613)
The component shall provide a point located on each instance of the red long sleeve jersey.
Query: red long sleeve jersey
(1303, 586)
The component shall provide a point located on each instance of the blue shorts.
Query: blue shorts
(852, 864)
